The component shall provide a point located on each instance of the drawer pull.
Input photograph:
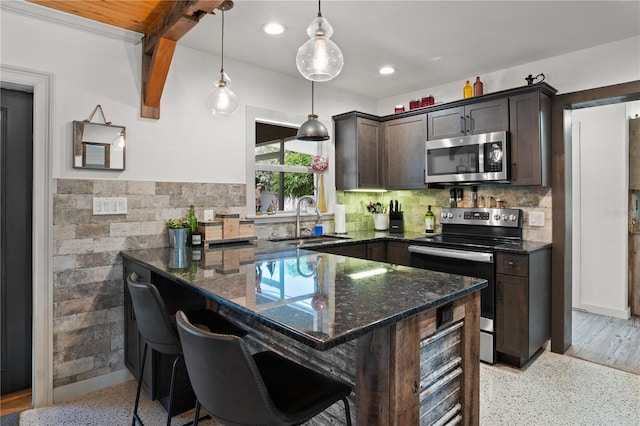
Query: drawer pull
(511, 263)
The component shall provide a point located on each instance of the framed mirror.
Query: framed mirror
(98, 146)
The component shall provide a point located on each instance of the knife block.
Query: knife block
(396, 223)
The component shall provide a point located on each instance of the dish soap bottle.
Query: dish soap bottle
(429, 221)
(467, 92)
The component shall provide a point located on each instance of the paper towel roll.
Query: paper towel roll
(340, 219)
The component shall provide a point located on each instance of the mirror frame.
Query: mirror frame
(81, 147)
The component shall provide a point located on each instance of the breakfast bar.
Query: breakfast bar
(406, 339)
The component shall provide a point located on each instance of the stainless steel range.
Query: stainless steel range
(467, 246)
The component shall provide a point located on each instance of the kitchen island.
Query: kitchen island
(406, 339)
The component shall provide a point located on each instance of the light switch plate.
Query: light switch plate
(208, 215)
(536, 219)
(109, 205)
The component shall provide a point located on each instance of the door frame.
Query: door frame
(40, 84)
(561, 273)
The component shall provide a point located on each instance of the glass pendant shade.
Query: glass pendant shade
(319, 59)
(312, 130)
(222, 101)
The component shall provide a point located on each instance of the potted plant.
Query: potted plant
(178, 232)
(380, 219)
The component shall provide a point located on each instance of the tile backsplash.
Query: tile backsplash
(414, 205)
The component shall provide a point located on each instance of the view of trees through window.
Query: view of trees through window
(283, 174)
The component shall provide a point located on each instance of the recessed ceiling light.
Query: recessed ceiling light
(274, 28)
(387, 70)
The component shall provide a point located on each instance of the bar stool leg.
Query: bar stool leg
(196, 416)
(347, 412)
(172, 386)
(136, 418)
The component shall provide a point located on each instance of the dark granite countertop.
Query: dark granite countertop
(319, 299)
(522, 247)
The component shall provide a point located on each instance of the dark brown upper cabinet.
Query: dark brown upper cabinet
(530, 133)
(359, 152)
(404, 140)
(389, 152)
(481, 117)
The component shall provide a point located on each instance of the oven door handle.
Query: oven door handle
(453, 254)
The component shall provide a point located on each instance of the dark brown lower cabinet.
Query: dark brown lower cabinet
(377, 251)
(350, 250)
(398, 253)
(523, 305)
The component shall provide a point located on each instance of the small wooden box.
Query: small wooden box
(230, 225)
(210, 231)
(246, 229)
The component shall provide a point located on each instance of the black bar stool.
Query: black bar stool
(158, 332)
(237, 388)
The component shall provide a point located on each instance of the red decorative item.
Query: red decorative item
(319, 163)
(414, 103)
(399, 108)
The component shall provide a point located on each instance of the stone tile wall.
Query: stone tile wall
(88, 329)
(414, 204)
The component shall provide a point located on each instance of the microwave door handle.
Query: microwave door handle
(481, 158)
(462, 125)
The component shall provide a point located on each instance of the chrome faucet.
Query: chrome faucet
(307, 197)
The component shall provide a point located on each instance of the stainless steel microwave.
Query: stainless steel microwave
(468, 159)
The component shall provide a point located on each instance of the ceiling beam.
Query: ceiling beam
(159, 45)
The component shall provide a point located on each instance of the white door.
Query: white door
(600, 191)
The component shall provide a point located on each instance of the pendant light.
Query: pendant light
(222, 101)
(312, 129)
(319, 59)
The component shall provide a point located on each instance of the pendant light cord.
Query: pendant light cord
(222, 49)
(319, 13)
(312, 83)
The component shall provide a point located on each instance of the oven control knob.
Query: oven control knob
(450, 215)
(444, 215)
(505, 217)
(512, 218)
(496, 217)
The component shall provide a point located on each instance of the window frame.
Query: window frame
(324, 148)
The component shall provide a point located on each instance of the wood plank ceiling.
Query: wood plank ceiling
(163, 23)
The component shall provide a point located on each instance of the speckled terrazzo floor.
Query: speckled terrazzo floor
(552, 390)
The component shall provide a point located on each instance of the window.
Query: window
(278, 165)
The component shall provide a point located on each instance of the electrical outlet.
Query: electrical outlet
(536, 219)
(635, 207)
(109, 205)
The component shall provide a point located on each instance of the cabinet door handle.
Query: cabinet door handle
(511, 263)
(462, 125)
(468, 120)
(359, 178)
(499, 291)
(514, 175)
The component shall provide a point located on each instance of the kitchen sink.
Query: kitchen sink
(311, 239)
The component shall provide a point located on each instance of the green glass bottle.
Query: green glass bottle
(429, 221)
(195, 238)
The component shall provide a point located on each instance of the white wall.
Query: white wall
(600, 199)
(186, 144)
(604, 65)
